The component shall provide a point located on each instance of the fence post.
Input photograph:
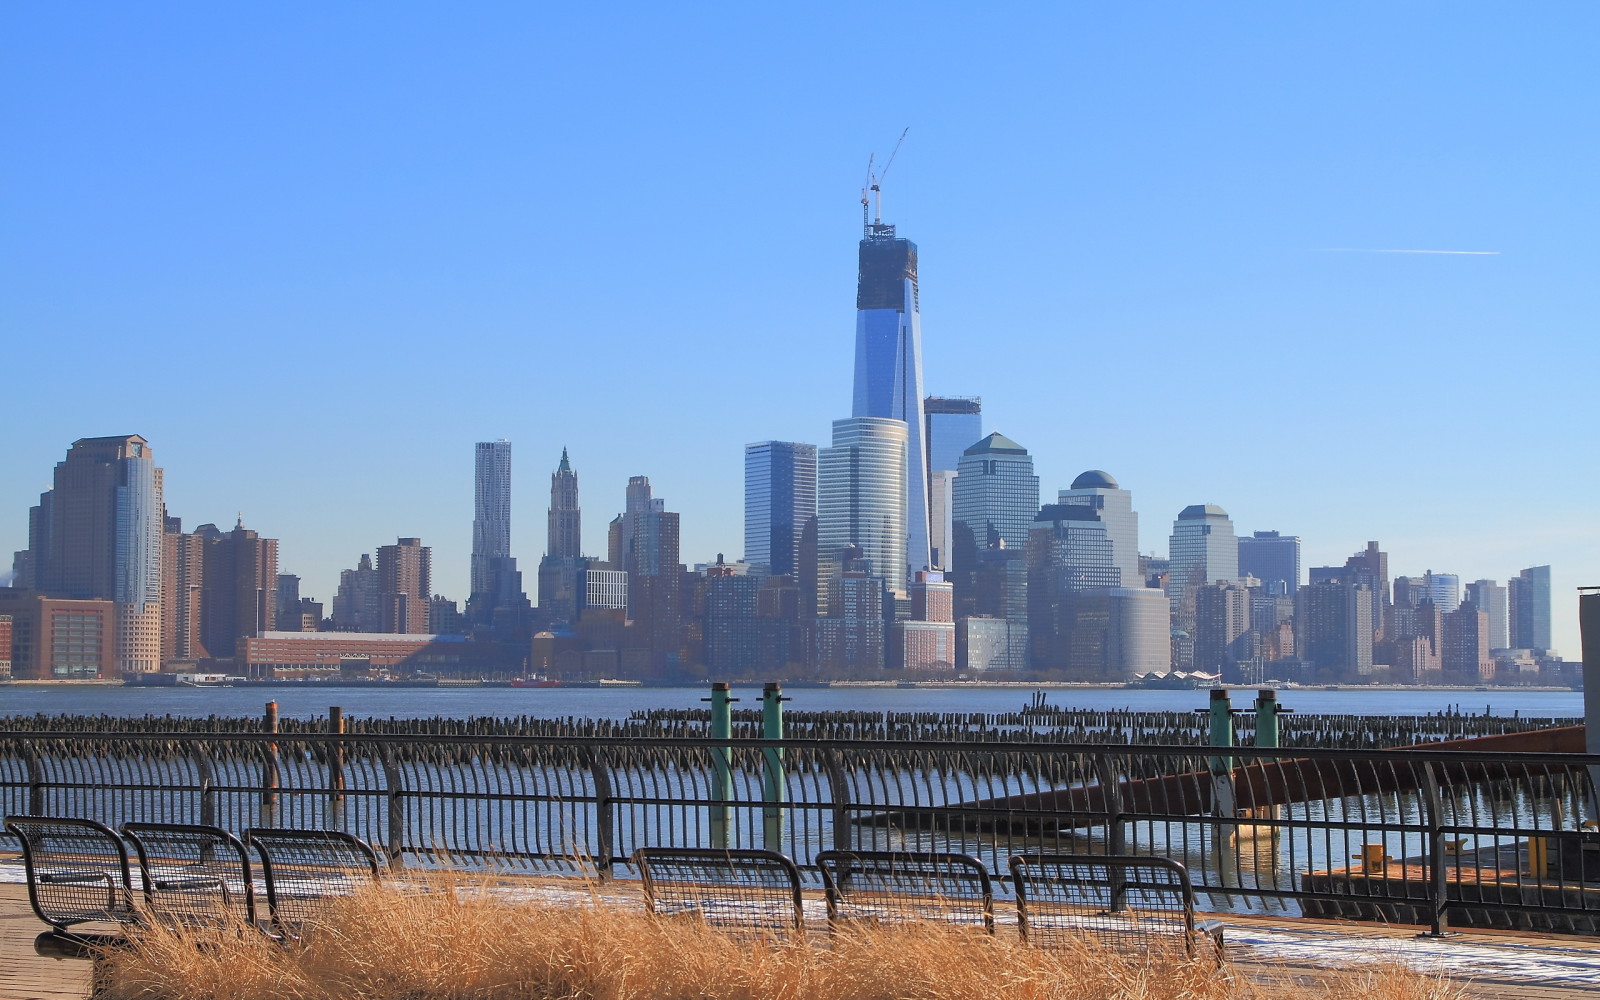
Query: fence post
(721, 762)
(1438, 873)
(335, 754)
(269, 761)
(605, 820)
(774, 786)
(395, 787)
(208, 781)
(35, 781)
(839, 789)
(1111, 796)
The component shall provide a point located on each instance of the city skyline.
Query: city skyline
(1105, 198)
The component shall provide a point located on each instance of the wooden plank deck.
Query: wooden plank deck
(23, 974)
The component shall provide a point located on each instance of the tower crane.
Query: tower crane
(872, 192)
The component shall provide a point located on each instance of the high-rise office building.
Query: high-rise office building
(1272, 558)
(1202, 549)
(1115, 506)
(1492, 600)
(952, 424)
(647, 548)
(240, 588)
(1444, 590)
(495, 582)
(995, 498)
(888, 376)
(780, 496)
(405, 581)
(1333, 628)
(97, 535)
(1464, 653)
(355, 603)
(861, 501)
(1069, 556)
(1529, 608)
(182, 589)
(561, 584)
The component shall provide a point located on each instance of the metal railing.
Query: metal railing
(1424, 837)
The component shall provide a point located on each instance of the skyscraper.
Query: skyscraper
(1069, 557)
(780, 496)
(996, 496)
(952, 425)
(1115, 505)
(239, 590)
(98, 535)
(888, 375)
(1202, 549)
(561, 569)
(647, 548)
(1273, 559)
(861, 499)
(1491, 599)
(1529, 593)
(355, 603)
(1444, 590)
(405, 581)
(492, 566)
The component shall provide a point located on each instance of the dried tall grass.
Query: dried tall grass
(385, 944)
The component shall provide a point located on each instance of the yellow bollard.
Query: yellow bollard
(1373, 860)
(1539, 855)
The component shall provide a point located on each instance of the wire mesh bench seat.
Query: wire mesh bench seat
(192, 873)
(1129, 903)
(77, 873)
(302, 869)
(750, 891)
(894, 887)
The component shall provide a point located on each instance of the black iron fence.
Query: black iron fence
(1427, 837)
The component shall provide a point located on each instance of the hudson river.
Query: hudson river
(312, 701)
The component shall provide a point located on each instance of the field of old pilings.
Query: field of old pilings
(1034, 723)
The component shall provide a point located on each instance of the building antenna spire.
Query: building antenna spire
(872, 193)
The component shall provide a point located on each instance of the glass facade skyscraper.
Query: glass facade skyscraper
(888, 374)
(1203, 549)
(780, 496)
(1272, 558)
(861, 498)
(491, 525)
(995, 494)
(1529, 593)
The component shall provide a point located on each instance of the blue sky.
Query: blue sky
(314, 252)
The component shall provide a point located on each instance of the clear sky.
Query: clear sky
(313, 252)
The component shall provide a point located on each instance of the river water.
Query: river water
(313, 700)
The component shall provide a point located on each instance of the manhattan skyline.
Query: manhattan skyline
(312, 291)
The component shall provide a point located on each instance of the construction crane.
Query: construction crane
(872, 192)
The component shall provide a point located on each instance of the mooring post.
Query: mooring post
(335, 754)
(1267, 711)
(721, 762)
(774, 787)
(269, 760)
(1221, 715)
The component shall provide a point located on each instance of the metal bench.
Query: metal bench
(302, 869)
(78, 873)
(894, 887)
(193, 874)
(747, 892)
(1133, 904)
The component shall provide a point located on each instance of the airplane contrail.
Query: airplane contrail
(1468, 253)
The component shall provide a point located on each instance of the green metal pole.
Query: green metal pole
(721, 762)
(1221, 713)
(1267, 719)
(774, 786)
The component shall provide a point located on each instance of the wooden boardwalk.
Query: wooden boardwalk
(1264, 948)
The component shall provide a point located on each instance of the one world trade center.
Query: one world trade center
(888, 375)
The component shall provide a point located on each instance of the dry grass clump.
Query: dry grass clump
(384, 944)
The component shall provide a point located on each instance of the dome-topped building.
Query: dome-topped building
(1094, 479)
(1099, 490)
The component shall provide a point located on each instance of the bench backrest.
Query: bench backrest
(895, 886)
(1127, 902)
(77, 870)
(192, 872)
(752, 890)
(301, 869)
